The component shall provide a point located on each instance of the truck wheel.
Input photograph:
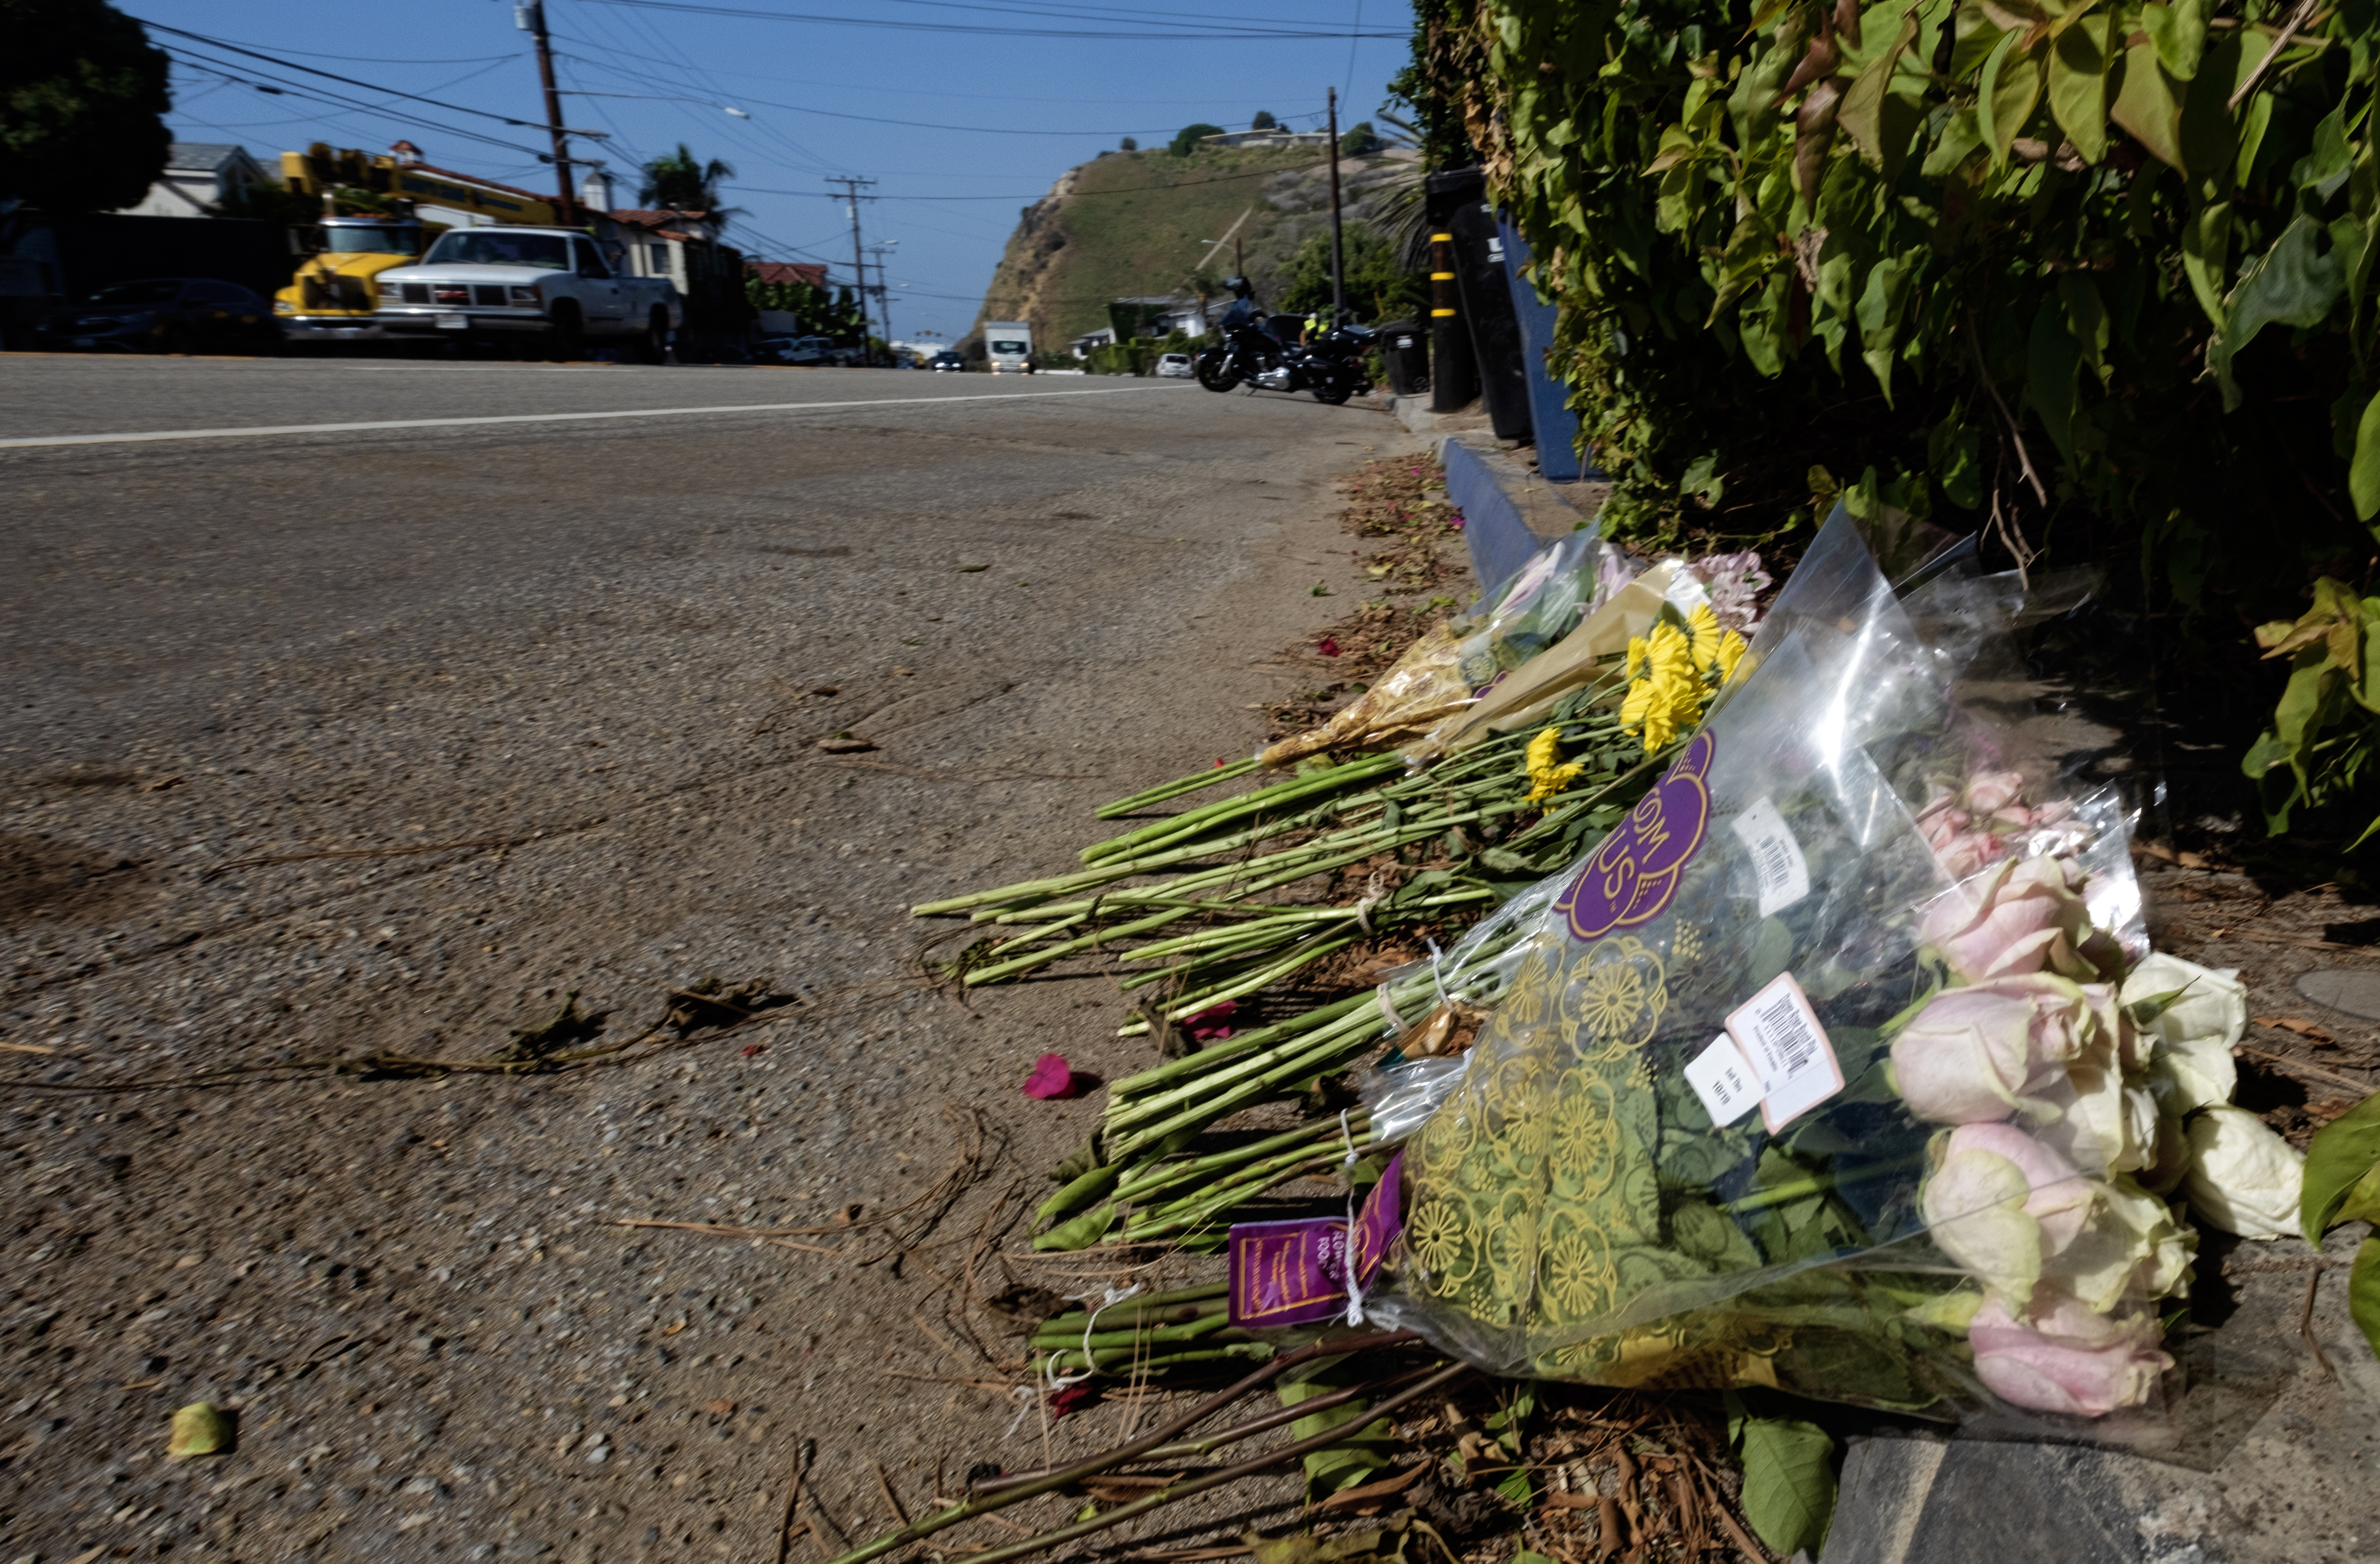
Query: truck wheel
(652, 346)
(570, 340)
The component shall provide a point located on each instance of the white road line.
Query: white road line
(546, 417)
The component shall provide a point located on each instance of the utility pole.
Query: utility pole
(858, 266)
(1337, 274)
(529, 17)
(883, 292)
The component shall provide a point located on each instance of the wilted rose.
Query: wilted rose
(2001, 1203)
(1988, 792)
(2131, 1247)
(2021, 917)
(2192, 1067)
(2070, 1360)
(2243, 1179)
(1974, 1053)
(2101, 1122)
(1946, 829)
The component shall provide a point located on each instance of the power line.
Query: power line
(334, 76)
(317, 95)
(692, 8)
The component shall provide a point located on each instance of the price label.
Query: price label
(1777, 858)
(1723, 1082)
(1788, 1051)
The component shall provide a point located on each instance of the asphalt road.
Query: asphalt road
(385, 740)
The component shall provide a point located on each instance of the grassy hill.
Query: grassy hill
(1131, 223)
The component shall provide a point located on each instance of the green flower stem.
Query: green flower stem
(1191, 1215)
(1050, 953)
(1129, 1335)
(1215, 1053)
(1141, 1313)
(1359, 1013)
(1137, 1187)
(1802, 1188)
(1273, 797)
(1240, 988)
(1322, 1054)
(1279, 923)
(1179, 786)
(1124, 1358)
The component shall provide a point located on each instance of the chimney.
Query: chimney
(406, 153)
(595, 191)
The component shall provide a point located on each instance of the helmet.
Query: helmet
(1239, 287)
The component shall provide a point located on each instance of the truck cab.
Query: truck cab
(551, 289)
(336, 292)
(1008, 347)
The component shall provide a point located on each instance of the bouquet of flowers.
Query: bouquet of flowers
(1823, 1071)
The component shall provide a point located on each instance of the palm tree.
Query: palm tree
(675, 182)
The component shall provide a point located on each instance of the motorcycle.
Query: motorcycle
(1330, 366)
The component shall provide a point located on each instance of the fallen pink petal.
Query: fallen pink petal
(1329, 648)
(1213, 1024)
(1051, 1077)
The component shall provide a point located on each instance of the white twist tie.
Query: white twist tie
(1109, 1299)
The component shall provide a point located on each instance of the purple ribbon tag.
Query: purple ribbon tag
(1296, 1273)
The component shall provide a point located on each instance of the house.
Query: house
(1081, 346)
(1273, 138)
(684, 248)
(785, 323)
(198, 176)
(1159, 314)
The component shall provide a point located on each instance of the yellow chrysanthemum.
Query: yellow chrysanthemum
(1669, 653)
(1705, 633)
(1731, 651)
(1656, 707)
(1548, 774)
(1637, 652)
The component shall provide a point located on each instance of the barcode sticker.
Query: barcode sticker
(1775, 856)
(1723, 1082)
(1787, 1050)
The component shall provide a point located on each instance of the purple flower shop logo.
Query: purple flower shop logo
(1633, 875)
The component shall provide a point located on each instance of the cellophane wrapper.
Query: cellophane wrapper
(1572, 1211)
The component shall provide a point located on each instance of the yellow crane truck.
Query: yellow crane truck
(335, 290)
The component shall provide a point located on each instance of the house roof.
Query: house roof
(645, 218)
(208, 156)
(787, 272)
(485, 184)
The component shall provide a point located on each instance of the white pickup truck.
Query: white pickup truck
(552, 287)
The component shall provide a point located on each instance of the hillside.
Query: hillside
(1131, 224)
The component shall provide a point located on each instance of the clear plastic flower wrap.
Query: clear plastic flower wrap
(1813, 1074)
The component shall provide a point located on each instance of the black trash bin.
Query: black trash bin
(1404, 353)
(1457, 204)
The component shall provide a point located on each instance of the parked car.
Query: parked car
(1173, 366)
(946, 361)
(822, 351)
(167, 316)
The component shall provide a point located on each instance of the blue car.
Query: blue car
(167, 316)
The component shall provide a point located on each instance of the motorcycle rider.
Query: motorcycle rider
(1243, 310)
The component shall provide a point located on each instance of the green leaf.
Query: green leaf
(2006, 97)
(1080, 1233)
(2295, 283)
(2052, 361)
(1788, 1482)
(2363, 1291)
(2326, 167)
(2206, 257)
(2086, 319)
(2078, 85)
(1517, 1490)
(1348, 1461)
(2148, 104)
(1879, 316)
(2363, 472)
(1862, 116)
(2342, 1155)
(2178, 33)
(1954, 452)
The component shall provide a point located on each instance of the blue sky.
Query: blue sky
(980, 121)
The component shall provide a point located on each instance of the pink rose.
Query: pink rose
(2001, 1203)
(1989, 792)
(2069, 1360)
(2021, 917)
(1974, 1054)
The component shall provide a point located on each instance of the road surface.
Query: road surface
(391, 731)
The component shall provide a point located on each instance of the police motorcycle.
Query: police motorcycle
(1330, 363)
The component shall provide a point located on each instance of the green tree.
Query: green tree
(1128, 144)
(1359, 139)
(1186, 140)
(1264, 121)
(675, 182)
(1378, 289)
(269, 200)
(83, 105)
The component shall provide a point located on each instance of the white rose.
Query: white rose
(2195, 1073)
(2243, 1179)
